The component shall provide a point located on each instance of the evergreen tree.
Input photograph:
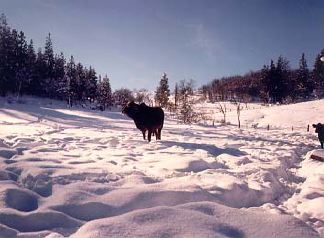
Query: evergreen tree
(304, 84)
(275, 79)
(187, 114)
(176, 95)
(21, 63)
(272, 82)
(38, 83)
(12, 61)
(5, 36)
(50, 84)
(69, 86)
(104, 93)
(281, 79)
(292, 86)
(30, 65)
(81, 77)
(59, 74)
(163, 92)
(265, 84)
(91, 84)
(318, 74)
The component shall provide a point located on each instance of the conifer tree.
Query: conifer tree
(318, 73)
(30, 64)
(50, 83)
(176, 95)
(272, 82)
(38, 84)
(187, 114)
(59, 74)
(163, 92)
(303, 84)
(12, 61)
(281, 79)
(275, 79)
(21, 62)
(104, 93)
(69, 85)
(5, 49)
(91, 84)
(265, 85)
(80, 80)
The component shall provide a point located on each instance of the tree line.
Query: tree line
(43, 73)
(274, 83)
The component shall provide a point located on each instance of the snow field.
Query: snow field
(86, 173)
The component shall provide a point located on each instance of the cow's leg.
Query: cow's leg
(159, 133)
(322, 144)
(149, 135)
(143, 131)
(156, 134)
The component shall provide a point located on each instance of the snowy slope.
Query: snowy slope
(297, 115)
(86, 173)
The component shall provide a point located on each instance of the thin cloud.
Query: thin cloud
(204, 40)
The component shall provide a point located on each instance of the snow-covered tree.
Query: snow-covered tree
(91, 84)
(69, 84)
(318, 73)
(50, 83)
(30, 65)
(176, 95)
(21, 63)
(304, 85)
(104, 96)
(162, 92)
(185, 102)
(59, 74)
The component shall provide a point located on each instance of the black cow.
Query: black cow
(319, 129)
(146, 118)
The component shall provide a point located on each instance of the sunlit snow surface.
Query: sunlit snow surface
(84, 173)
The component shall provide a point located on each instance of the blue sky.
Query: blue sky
(135, 41)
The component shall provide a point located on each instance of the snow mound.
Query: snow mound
(202, 219)
(37, 221)
(307, 203)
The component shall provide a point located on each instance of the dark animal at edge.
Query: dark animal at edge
(319, 129)
(146, 118)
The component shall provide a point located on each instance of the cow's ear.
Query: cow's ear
(314, 125)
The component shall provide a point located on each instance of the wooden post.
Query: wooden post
(292, 128)
(268, 127)
(308, 128)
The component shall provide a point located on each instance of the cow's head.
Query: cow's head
(318, 127)
(131, 109)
